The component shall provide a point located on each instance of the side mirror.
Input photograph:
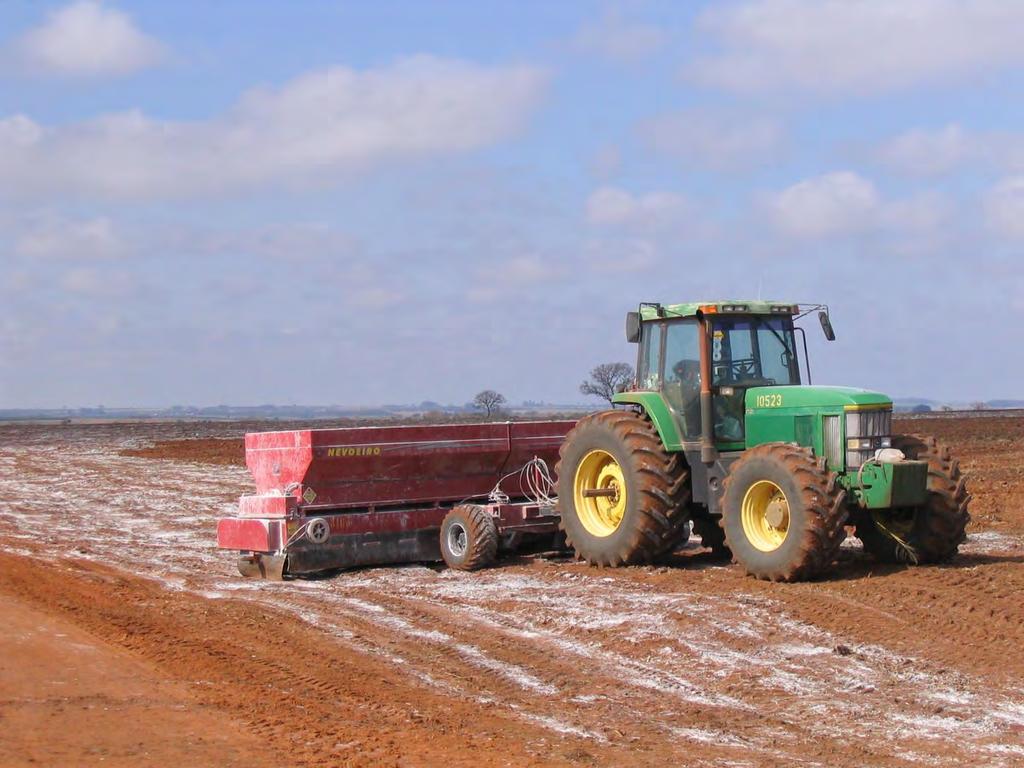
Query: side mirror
(632, 327)
(826, 325)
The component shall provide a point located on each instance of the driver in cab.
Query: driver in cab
(686, 383)
(684, 389)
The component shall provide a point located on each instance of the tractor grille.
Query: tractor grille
(869, 425)
(832, 440)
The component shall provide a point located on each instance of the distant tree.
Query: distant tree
(921, 408)
(489, 401)
(947, 408)
(979, 406)
(607, 379)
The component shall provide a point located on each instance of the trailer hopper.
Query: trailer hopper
(336, 498)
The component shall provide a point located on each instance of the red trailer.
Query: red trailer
(337, 498)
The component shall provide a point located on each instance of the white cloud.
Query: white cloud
(1004, 207)
(605, 162)
(615, 37)
(828, 46)
(88, 39)
(622, 255)
(520, 272)
(924, 213)
(613, 206)
(292, 241)
(925, 223)
(57, 238)
(934, 152)
(523, 270)
(320, 125)
(844, 203)
(95, 283)
(715, 140)
(831, 204)
(376, 298)
(927, 152)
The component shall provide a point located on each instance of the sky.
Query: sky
(387, 202)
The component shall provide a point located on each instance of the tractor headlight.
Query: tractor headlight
(866, 432)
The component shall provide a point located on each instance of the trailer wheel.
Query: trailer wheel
(783, 512)
(933, 532)
(469, 538)
(621, 496)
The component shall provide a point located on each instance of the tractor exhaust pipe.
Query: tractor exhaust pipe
(708, 454)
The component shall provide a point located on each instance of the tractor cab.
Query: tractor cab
(702, 361)
(743, 350)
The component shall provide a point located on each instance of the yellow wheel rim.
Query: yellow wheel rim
(599, 491)
(765, 515)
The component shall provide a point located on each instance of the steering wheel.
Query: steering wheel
(738, 369)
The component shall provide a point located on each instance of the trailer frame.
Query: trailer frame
(272, 545)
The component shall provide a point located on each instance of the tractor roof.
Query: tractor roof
(739, 306)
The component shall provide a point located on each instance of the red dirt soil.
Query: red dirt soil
(58, 681)
(201, 450)
(534, 662)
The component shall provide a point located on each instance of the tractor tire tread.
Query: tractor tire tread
(481, 535)
(819, 494)
(945, 528)
(662, 488)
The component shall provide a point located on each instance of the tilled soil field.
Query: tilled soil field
(107, 531)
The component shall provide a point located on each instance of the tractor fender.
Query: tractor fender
(657, 410)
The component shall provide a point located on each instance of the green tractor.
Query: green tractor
(720, 433)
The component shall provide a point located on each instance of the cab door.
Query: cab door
(681, 375)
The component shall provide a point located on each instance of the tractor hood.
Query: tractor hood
(813, 397)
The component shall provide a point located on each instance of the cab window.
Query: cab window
(682, 374)
(649, 367)
(748, 352)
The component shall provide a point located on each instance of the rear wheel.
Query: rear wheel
(933, 532)
(783, 512)
(621, 496)
(469, 538)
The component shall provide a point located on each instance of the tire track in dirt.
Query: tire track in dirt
(872, 663)
(899, 608)
(293, 687)
(612, 684)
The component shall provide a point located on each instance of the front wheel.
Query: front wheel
(932, 532)
(783, 513)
